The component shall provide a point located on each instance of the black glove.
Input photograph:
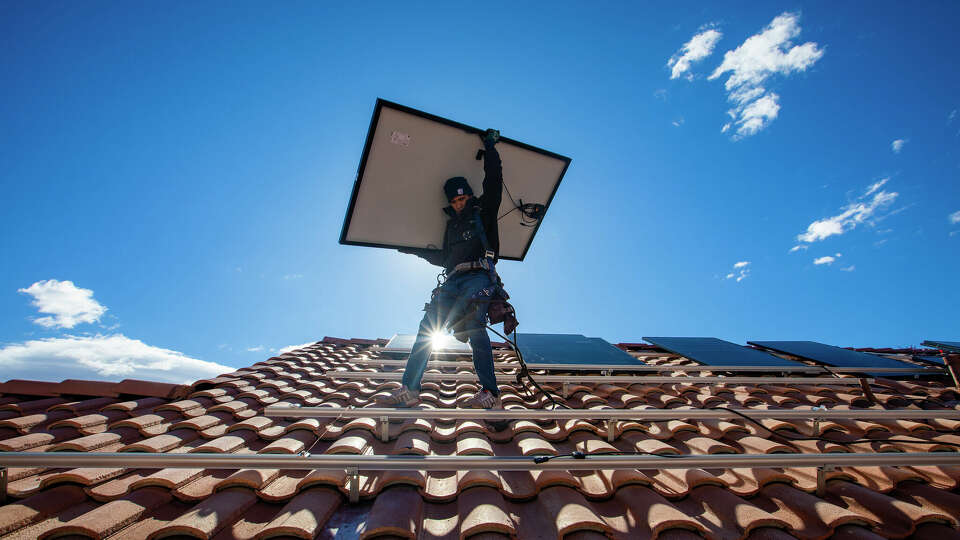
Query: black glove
(491, 137)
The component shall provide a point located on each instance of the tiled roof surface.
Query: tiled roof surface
(225, 415)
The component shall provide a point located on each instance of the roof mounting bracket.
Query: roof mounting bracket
(384, 429)
(822, 478)
(353, 484)
(611, 430)
(566, 390)
(3, 485)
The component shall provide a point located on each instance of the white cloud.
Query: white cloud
(951, 116)
(699, 47)
(752, 63)
(68, 304)
(289, 348)
(661, 94)
(897, 145)
(954, 217)
(678, 122)
(258, 348)
(798, 248)
(740, 271)
(850, 268)
(850, 215)
(112, 358)
(824, 260)
(874, 187)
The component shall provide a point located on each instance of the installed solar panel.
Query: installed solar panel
(445, 344)
(571, 349)
(830, 355)
(717, 352)
(951, 346)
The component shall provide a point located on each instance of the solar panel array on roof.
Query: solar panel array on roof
(951, 346)
(717, 352)
(571, 349)
(830, 355)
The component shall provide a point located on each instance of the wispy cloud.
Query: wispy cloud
(111, 358)
(851, 215)
(850, 268)
(799, 247)
(661, 94)
(740, 271)
(258, 348)
(828, 259)
(951, 116)
(292, 276)
(752, 63)
(289, 348)
(678, 122)
(897, 145)
(699, 47)
(68, 304)
(954, 217)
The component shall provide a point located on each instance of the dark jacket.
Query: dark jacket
(461, 243)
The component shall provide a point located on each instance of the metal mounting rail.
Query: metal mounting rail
(354, 464)
(646, 368)
(611, 379)
(610, 416)
(148, 460)
(639, 415)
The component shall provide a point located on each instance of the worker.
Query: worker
(471, 244)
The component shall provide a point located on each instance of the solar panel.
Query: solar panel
(397, 200)
(445, 344)
(571, 349)
(951, 346)
(717, 352)
(830, 355)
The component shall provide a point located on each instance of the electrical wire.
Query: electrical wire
(530, 213)
(524, 372)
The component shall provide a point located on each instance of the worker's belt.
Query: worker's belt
(482, 264)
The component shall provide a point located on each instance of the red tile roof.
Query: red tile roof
(225, 415)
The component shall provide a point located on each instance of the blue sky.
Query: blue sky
(187, 169)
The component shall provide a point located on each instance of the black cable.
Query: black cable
(524, 372)
(531, 213)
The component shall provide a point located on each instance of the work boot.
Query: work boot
(403, 397)
(483, 399)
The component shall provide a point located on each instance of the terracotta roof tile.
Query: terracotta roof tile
(226, 415)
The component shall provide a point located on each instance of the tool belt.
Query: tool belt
(483, 264)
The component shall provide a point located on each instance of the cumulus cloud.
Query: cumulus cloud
(750, 65)
(111, 358)
(829, 259)
(67, 304)
(740, 271)
(954, 217)
(897, 145)
(851, 215)
(699, 47)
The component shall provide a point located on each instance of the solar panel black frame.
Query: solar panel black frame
(832, 355)
(562, 349)
(951, 346)
(712, 351)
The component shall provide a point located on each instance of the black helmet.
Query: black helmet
(456, 186)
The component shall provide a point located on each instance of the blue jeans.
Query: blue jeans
(451, 304)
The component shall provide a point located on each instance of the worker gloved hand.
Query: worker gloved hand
(490, 137)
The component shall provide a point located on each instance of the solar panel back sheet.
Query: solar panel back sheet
(571, 349)
(717, 352)
(830, 355)
(398, 199)
(949, 346)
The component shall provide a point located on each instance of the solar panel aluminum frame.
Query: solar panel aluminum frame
(949, 346)
(382, 104)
